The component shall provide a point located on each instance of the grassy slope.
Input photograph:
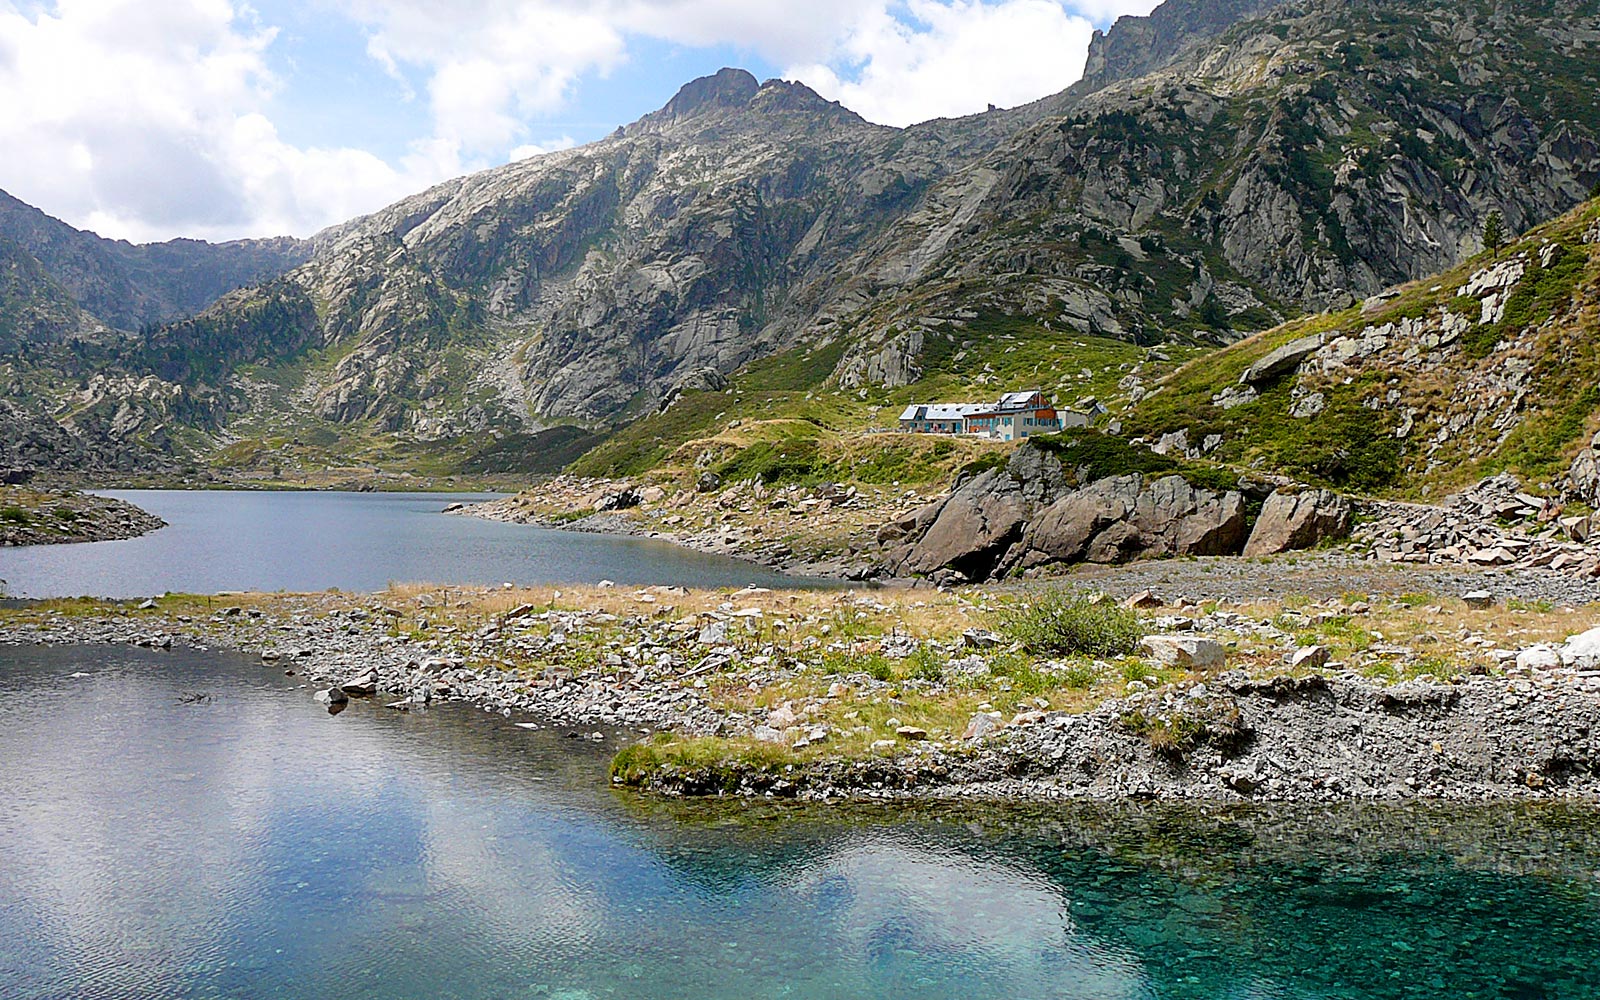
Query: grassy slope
(1550, 325)
(782, 419)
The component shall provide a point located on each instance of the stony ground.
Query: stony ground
(42, 517)
(1304, 695)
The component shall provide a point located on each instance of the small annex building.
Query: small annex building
(1015, 416)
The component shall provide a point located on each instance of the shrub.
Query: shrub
(15, 515)
(1068, 624)
(926, 665)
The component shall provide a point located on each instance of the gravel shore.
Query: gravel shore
(1528, 728)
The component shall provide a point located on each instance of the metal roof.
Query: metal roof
(942, 411)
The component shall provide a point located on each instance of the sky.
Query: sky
(221, 119)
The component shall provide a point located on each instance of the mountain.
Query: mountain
(123, 286)
(1223, 166)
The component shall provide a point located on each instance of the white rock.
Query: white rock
(1309, 657)
(1541, 657)
(1583, 651)
(1479, 599)
(1184, 651)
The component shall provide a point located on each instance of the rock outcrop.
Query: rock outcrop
(1292, 521)
(1028, 517)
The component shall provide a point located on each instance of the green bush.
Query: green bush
(1068, 624)
(926, 665)
(15, 515)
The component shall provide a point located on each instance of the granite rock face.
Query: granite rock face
(1293, 521)
(1027, 517)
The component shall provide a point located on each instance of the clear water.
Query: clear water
(218, 540)
(251, 846)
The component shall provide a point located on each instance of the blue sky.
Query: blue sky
(149, 119)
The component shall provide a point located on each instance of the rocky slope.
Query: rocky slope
(123, 286)
(1488, 367)
(1307, 156)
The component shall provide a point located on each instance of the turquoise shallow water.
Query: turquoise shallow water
(247, 845)
(221, 540)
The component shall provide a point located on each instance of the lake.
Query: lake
(194, 825)
(309, 541)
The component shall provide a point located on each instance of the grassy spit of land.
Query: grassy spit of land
(753, 690)
(35, 516)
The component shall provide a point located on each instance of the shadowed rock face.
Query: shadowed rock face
(1026, 517)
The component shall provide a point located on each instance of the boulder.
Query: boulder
(911, 733)
(1064, 531)
(1038, 473)
(362, 685)
(1478, 600)
(1541, 657)
(1281, 361)
(983, 724)
(1585, 473)
(1582, 652)
(1309, 658)
(1293, 521)
(972, 530)
(332, 696)
(1184, 651)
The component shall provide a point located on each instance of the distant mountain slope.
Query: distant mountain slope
(1224, 165)
(126, 286)
(1302, 158)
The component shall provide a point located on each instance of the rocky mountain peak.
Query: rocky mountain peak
(726, 88)
(1138, 45)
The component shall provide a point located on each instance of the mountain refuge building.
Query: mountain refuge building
(1015, 416)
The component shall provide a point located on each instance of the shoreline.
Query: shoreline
(1524, 730)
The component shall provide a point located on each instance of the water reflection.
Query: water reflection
(252, 846)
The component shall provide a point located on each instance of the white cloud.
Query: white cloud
(492, 64)
(149, 120)
(1105, 11)
(941, 59)
(142, 121)
(540, 148)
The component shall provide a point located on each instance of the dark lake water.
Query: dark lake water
(251, 846)
(220, 540)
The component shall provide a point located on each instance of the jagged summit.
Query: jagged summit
(728, 87)
(1136, 45)
(736, 90)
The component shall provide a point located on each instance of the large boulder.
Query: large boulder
(1065, 531)
(1292, 521)
(970, 531)
(1281, 361)
(1585, 473)
(1118, 519)
(1038, 473)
